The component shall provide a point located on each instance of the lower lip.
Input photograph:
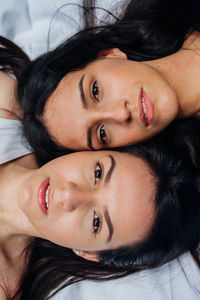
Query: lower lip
(41, 195)
(149, 109)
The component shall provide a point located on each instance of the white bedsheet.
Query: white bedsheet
(177, 280)
(30, 24)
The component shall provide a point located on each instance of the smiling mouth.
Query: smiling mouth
(145, 109)
(43, 196)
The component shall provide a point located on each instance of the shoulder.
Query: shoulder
(9, 107)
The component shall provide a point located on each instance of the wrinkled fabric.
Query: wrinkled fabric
(37, 26)
(177, 280)
(12, 143)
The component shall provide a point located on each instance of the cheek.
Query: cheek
(131, 135)
(65, 231)
(165, 102)
(27, 195)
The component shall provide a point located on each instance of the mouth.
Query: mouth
(145, 109)
(44, 196)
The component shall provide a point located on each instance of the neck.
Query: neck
(15, 230)
(182, 71)
(13, 222)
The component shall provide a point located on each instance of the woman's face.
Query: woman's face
(96, 200)
(110, 102)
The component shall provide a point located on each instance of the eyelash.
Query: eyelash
(97, 226)
(94, 87)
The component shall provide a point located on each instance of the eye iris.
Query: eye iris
(102, 134)
(95, 91)
(98, 173)
(96, 224)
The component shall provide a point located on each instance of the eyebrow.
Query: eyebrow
(89, 138)
(83, 100)
(111, 169)
(109, 224)
(106, 212)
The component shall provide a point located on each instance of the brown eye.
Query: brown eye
(98, 172)
(96, 223)
(102, 135)
(95, 91)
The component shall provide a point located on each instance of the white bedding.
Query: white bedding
(30, 24)
(178, 280)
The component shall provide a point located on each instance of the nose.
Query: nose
(72, 196)
(120, 112)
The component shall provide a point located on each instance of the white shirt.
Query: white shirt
(12, 142)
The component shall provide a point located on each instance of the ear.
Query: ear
(112, 53)
(89, 255)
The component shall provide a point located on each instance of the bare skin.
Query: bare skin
(8, 104)
(12, 262)
(182, 70)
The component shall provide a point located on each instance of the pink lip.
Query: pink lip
(149, 109)
(41, 195)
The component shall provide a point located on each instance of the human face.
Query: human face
(96, 200)
(100, 106)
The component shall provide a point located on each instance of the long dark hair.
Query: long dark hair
(12, 59)
(176, 227)
(146, 30)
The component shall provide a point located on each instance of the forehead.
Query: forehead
(131, 200)
(64, 116)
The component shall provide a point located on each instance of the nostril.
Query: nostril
(129, 119)
(128, 112)
(126, 104)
